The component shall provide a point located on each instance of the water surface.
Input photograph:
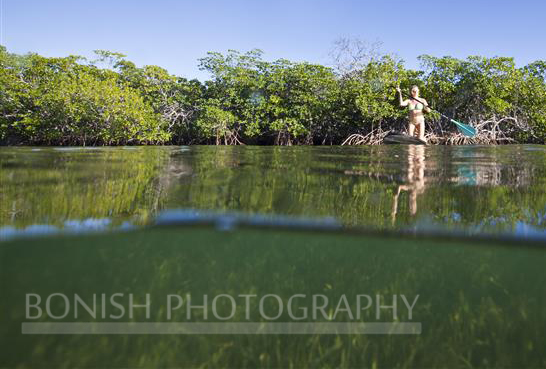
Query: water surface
(480, 304)
(474, 189)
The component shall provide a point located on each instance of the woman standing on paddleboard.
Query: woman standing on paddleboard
(416, 106)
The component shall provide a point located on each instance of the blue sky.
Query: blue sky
(174, 34)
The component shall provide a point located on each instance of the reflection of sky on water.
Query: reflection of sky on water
(525, 230)
(69, 227)
(230, 221)
(520, 229)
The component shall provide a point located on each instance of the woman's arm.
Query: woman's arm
(425, 106)
(402, 102)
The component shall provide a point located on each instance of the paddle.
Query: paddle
(465, 129)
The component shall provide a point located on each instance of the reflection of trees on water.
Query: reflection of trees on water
(175, 169)
(478, 168)
(359, 185)
(52, 186)
(355, 185)
(478, 186)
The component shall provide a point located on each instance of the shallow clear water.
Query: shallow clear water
(478, 303)
(473, 189)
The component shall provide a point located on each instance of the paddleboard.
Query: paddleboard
(396, 138)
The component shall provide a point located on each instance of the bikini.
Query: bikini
(417, 106)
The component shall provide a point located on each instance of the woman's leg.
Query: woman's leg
(411, 129)
(421, 130)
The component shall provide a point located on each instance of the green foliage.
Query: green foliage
(491, 93)
(287, 101)
(215, 123)
(376, 90)
(237, 87)
(300, 98)
(13, 91)
(59, 101)
(174, 99)
(75, 101)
